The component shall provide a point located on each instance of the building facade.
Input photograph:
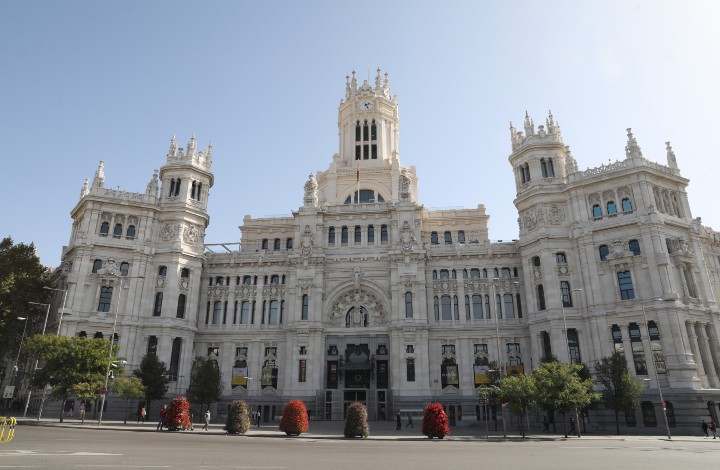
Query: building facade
(363, 294)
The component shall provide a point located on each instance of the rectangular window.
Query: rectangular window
(648, 411)
(371, 234)
(408, 305)
(271, 351)
(409, 348)
(383, 234)
(175, 360)
(560, 258)
(358, 235)
(344, 235)
(480, 348)
(105, 299)
(241, 351)
(302, 370)
(626, 286)
(332, 374)
(448, 349)
(410, 370)
(638, 350)
(630, 420)
(446, 303)
(305, 307)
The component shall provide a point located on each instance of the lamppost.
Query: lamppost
(657, 378)
(104, 390)
(567, 344)
(62, 309)
(27, 403)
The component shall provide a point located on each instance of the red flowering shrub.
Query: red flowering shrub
(294, 419)
(177, 416)
(435, 421)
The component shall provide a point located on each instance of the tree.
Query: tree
(154, 376)
(22, 279)
(294, 419)
(86, 392)
(621, 390)
(67, 362)
(205, 382)
(490, 392)
(128, 389)
(559, 386)
(520, 392)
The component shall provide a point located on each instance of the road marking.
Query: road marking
(32, 453)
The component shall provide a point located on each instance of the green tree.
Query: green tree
(205, 382)
(560, 387)
(490, 392)
(128, 389)
(621, 390)
(67, 362)
(521, 393)
(86, 392)
(154, 376)
(22, 279)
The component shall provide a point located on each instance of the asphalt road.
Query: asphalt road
(62, 448)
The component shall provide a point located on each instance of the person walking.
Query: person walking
(398, 420)
(410, 421)
(207, 420)
(572, 426)
(704, 427)
(163, 411)
(546, 425)
(141, 415)
(713, 428)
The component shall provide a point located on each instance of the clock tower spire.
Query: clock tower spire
(368, 123)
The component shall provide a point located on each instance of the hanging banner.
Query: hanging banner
(515, 370)
(449, 375)
(239, 377)
(481, 374)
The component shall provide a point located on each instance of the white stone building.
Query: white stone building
(365, 294)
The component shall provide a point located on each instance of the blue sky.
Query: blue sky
(85, 81)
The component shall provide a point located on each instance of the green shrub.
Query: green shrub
(238, 419)
(356, 424)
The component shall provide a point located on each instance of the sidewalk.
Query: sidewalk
(379, 430)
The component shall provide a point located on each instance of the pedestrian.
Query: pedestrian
(572, 426)
(398, 420)
(704, 427)
(141, 415)
(546, 425)
(257, 418)
(713, 428)
(81, 415)
(207, 420)
(192, 420)
(163, 410)
(410, 421)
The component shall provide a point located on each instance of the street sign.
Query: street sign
(9, 391)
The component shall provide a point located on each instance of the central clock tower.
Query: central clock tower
(368, 123)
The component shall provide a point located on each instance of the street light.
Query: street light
(112, 341)
(62, 309)
(657, 378)
(27, 403)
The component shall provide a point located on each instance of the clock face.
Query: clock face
(366, 105)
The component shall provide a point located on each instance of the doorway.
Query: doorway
(351, 396)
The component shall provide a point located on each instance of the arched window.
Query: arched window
(157, 309)
(172, 187)
(282, 279)
(245, 313)
(574, 345)
(543, 168)
(461, 236)
(626, 205)
(448, 238)
(487, 306)
(162, 271)
(604, 252)
(124, 268)
(541, 297)
(566, 294)
(358, 235)
(275, 279)
(536, 261)
(219, 280)
(152, 345)
(276, 244)
(117, 231)
(358, 132)
(596, 211)
(177, 187)
(444, 274)
(365, 131)
(289, 244)
(105, 299)
(217, 312)
(546, 168)
(264, 244)
(185, 272)
(453, 274)
(634, 246)
(331, 236)
(181, 306)
(371, 235)
(434, 275)
(305, 307)
(611, 208)
(519, 305)
(130, 234)
(505, 272)
(273, 316)
(468, 312)
(383, 234)
(456, 307)
(408, 305)
(355, 318)
(498, 306)
(344, 235)
(474, 273)
(97, 264)
(104, 229)
(509, 306)
(547, 346)
(436, 307)
(433, 238)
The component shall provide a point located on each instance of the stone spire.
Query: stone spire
(99, 179)
(550, 121)
(85, 190)
(570, 163)
(208, 153)
(529, 125)
(172, 151)
(632, 149)
(347, 87)
(378, 82)
(672, 162)
(192, 147)
(353, 82)
(153, 186)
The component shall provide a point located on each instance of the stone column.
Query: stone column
(690, 327)
(710, 366)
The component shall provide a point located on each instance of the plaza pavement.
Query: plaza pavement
(379, 430)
